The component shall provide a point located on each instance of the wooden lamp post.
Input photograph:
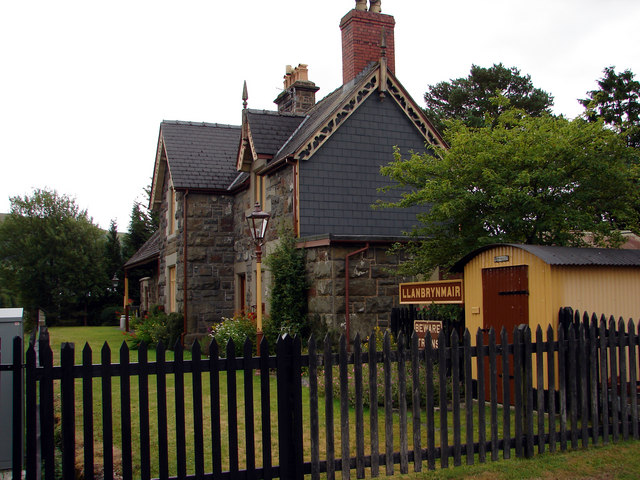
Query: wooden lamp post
(258, 221)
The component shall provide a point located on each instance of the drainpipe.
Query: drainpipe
(346, 288)
(184, 266)
(126, 300)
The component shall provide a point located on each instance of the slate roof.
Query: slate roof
(148, 252)
(281, 134)
(567, 256)
(270, 130)
(321, 111)
(201, 155)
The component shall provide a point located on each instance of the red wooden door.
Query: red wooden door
(505, 299)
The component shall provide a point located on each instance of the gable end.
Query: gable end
(415, 114)
(334, 121)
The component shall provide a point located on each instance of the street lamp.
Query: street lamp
(258, 221)
(115, 281)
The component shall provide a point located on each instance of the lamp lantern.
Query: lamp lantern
(258, 222)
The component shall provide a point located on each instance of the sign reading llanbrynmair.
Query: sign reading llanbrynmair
(445, 291)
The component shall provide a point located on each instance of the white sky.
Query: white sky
(85, 84)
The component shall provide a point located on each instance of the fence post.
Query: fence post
(68, 410)
(289, 384)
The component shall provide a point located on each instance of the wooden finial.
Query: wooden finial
(383, 64)
(245, 96)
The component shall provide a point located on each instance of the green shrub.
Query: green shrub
(110, 316)
(238, 328)
(288, 298)
(156, 327)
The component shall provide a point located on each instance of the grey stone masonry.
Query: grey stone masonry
(373, 288)
(210, 243)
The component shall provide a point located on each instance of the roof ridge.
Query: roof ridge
(200, 124)
(273, 112)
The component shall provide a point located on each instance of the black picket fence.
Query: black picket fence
(262, 417)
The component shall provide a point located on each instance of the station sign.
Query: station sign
(441, 292)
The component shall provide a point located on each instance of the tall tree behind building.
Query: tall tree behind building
(142, 225)
(617, 103)
(113, 257)
(471, 99)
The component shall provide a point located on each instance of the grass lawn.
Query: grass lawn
(620, 462)
(599, 463)
(96, 338)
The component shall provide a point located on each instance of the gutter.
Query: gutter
(346, 274)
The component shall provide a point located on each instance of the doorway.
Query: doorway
(505, 300)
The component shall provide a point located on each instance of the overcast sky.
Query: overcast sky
(85, 84)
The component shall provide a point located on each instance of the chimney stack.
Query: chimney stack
(361, 34)
(299, 94)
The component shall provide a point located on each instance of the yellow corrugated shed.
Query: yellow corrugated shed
(508, 285)
(595, 280)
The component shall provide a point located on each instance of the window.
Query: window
(172, 288)
(241, 299)
(172, 211)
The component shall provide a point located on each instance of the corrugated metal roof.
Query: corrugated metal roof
(584, 256)
(567, 256)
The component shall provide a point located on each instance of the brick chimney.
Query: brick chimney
(361, 37)
(299, 94)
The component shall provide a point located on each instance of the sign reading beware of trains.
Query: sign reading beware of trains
(446, 291)
(427, 329)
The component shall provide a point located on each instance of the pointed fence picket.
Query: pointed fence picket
(214, 417)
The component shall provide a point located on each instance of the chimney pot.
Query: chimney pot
(361, 35)
(299, 94)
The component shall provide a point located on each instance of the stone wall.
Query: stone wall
(279, 204)
(372, 290)
(210, 242)
(168, 247)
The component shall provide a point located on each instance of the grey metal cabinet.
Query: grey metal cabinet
(10, 327)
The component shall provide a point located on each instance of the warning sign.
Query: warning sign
(427, 329)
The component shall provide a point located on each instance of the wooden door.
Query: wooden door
(505, 299)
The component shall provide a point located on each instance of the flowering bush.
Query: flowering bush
(156, 327)
(237, 328)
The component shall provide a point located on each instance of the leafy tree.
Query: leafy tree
(52, 254)
(470, 99)
(535, 180)
(616, 103)
(141, 226)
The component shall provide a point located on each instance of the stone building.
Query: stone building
(312, 165)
